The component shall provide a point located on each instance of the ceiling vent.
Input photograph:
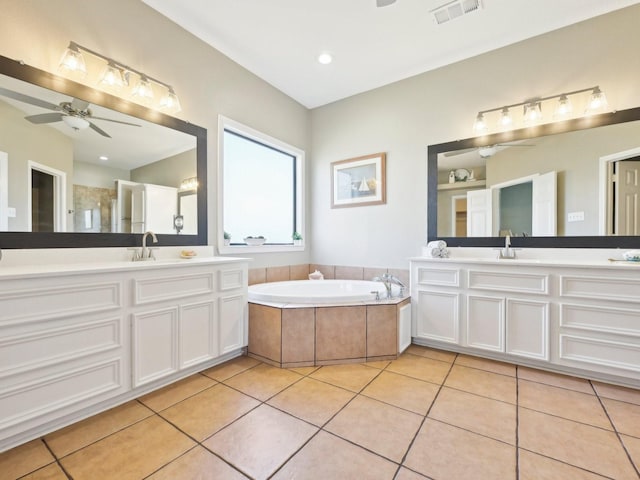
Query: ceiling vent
(455, 9)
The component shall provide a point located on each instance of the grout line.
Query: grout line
(57, 461)
(600, 475)
(615, 430)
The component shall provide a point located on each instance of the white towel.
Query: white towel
(440, 244)
(439, 252)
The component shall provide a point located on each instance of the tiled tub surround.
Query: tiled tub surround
(430, 414)
(300, 336)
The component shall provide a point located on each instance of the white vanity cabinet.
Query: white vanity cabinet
(75, 343)
(581, 319)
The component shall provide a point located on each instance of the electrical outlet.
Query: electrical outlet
(575, 217)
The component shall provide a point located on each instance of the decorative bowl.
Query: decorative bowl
(254, 241)
(632, 256)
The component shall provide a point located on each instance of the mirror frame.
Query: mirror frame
(21, 71)
(582, 123)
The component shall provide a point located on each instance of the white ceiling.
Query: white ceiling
(280, 40)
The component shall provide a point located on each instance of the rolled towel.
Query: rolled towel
(437, 244)
(439, 252)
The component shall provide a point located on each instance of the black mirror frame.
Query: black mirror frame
(583, 123)
(21, 71)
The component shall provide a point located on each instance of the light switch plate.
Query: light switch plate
(575, 217)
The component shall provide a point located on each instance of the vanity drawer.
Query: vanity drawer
(173, 287)
(600, 288)
(600, 352)
(535, 283)
(602, 319)
(445, 277)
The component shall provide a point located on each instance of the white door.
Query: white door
(627, 198)
(479, 213)
(123, 196)
(160, 207)
(544, 221)
(137, 213)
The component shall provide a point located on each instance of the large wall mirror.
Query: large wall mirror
(569, 184)
(101, 180)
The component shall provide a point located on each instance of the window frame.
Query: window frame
(227, 124)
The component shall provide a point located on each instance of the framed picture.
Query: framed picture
(359, 181)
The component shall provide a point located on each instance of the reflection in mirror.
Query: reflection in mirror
(90, 169)
(82, 168)
(576, 180)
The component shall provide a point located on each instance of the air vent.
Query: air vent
(455, 9)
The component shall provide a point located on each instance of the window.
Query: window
(260, 187)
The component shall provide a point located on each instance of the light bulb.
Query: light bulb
(480, 125)
(532, 113)
(506, 120)
(564, 107)
(597, 102)
(112, 77)
(72, 62)
(143, 91)
(170, 102)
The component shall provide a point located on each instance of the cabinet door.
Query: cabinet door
(233, 316)
(155, 349)
(438, 316)
(198, 333)
(527, 328)
(485, 323)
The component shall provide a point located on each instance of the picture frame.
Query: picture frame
(358, 182)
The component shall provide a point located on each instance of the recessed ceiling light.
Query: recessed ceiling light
(104, 158)
(325, 58)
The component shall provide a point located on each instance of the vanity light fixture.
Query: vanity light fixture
(118, 78)
(189, 184)
(533, 110)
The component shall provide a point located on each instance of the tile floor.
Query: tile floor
(429, 414)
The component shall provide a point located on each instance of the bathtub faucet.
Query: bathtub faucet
(388, 280)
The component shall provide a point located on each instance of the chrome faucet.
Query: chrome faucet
(507, 251)
(144, 253)
(388, 280)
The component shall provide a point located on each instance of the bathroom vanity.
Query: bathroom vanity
(576, 316)
(77, 339)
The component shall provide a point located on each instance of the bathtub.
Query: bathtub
(316, 292)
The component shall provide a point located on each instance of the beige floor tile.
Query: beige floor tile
(402, 391)
(481, 415)
(50, 472)
(583, 446)
(569, 404)
(422, 368)
(480, 382)
(176, 392)
(486, 364)
(406, 474)
(615, 392)
(24, 459)
(303, 370)
(536, 467)
(376, 426)
(311, 400)
(632, 445)
(625, 416)
(431, 353)
(229, 369)
(132, 453)
(556, 380)
(381, 364)
(261, 441)
(197, 464)
(207, 412)
(445, 452)
(353, 377)
(347, 462)
(263, 381)
(72, 438)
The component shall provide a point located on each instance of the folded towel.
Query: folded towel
(441, 244)
(439, 252)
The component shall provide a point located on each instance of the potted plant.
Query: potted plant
(227, 239)
(297, 238)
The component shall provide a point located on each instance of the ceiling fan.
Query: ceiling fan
(384, 3)
(76, 113)
(488, 150)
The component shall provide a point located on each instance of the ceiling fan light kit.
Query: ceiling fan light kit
(117, 78)
(532, 110)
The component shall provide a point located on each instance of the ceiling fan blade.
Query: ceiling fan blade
(99, 130)
(384, 3)
(115, 121)
(27, 99)
(79, 105)
(44, 118)
(459, 152)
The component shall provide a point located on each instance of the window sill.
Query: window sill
(243, 249)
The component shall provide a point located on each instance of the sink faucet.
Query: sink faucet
(507, 251)
(388, 280)
(146, 253)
